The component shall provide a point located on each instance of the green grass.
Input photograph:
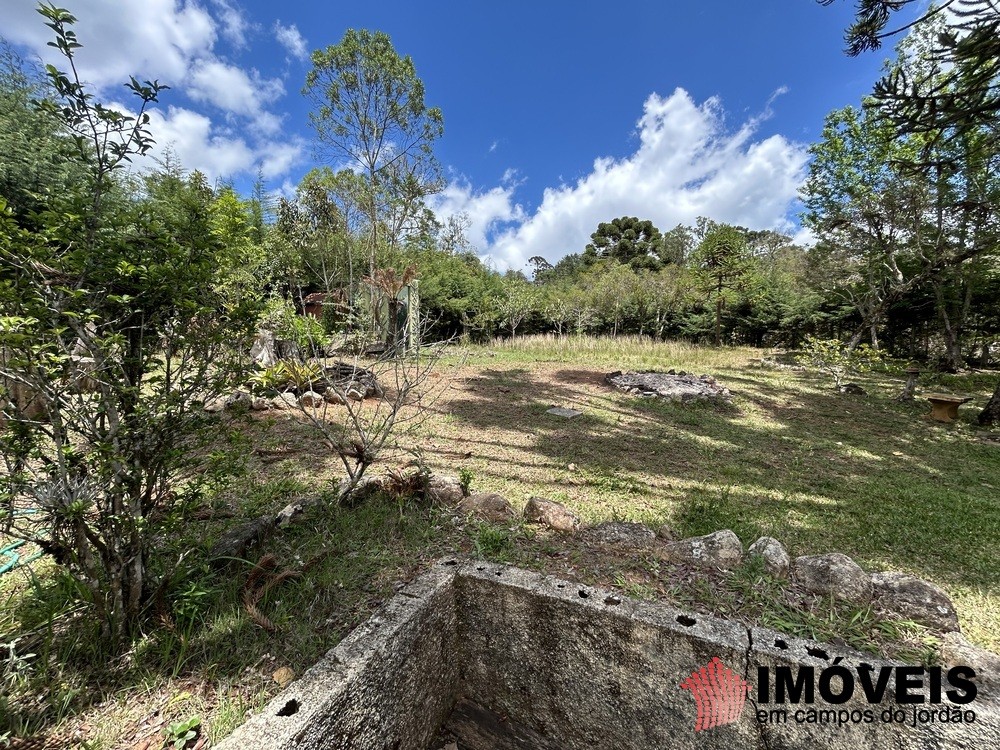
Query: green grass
(789, 458)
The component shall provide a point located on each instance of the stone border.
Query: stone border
(580, 665)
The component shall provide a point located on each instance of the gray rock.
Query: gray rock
(957, 651)
(261, 404)
(666, 533)
(334, 396)
(285, 401)
(236, 542)
(720, 549)
(833, 574)
(311, 400)
(913, 598)
(554, 515)
(355, 394)
(488, 506)
(776, 559)
(621, 534)
(215, 405)
(287, 515)
(445, 490)
(238, 400)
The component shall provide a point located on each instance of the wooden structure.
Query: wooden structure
(944, 408)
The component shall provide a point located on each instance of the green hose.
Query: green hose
(13, 558)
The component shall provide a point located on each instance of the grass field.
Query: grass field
(789, 457)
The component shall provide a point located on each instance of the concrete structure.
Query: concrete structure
(513, 660)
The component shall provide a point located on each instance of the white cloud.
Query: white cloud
(234, 24)
(219, 153)
(234, 90)
(686, 165)
(489, 212)
(149, 39)
(290, 38)
(174, 41)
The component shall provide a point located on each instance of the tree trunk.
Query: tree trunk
(991, 414)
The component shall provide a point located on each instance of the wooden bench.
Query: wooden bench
(944, 408)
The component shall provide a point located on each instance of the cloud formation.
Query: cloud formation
(687, 164)
(290, 38)
(176, 41)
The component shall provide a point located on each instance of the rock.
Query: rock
(262, 352)
(287, 515)
(215, 405)
(365, 489)
(554, 515)
(445, 490)
(853, 389)
(957, 651)
(311, 400)
(236, 542)
(261, 404)
(666, 533)
(833, 574)
(776, 559)
(238, 400)
(489, 506)
(82, 372)
(283, 676)
(333, 396)
(720, 549)
(285, 401)
(913, 598)
(355, 395)
(621, 534)
(673, 386)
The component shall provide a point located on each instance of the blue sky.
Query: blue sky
(558, 115)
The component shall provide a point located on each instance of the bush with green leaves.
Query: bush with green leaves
(838, 359)
(112, 335)
(305, 331)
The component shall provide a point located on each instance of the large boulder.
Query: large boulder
(774, 555)
(554, 515)
(913, 598)
(621, 534)
(488, 506)
(956, 651)
(833, 574)
(720, 549)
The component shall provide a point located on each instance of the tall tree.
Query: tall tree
(722, 265)
(626, 239)
(370, 116)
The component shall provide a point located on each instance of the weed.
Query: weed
(494, 542)
(465, 477)
(180, 733)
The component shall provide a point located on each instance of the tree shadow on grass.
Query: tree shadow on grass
(818, 469)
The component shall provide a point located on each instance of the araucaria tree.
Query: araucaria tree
(112, 331)
(370, 117)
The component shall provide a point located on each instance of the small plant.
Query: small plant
(180, 733)
(465, 477)
(493, 542)
(837, 359)
(300, 375)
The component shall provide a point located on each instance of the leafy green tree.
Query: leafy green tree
(963, 93)
(721, 265)
(111, 334)
(627, 240)
(370, 113)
